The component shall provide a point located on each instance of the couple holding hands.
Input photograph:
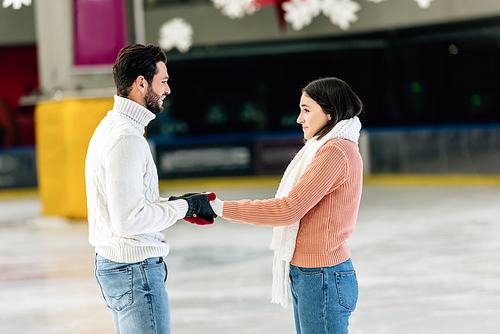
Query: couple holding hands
(313, 213)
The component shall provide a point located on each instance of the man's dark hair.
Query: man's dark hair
(135, 60)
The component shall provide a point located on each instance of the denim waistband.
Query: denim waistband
(151, 260)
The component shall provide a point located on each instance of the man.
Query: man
(125, 212)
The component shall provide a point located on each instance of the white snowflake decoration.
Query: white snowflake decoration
(341, 12)
(176, 33)
(300, 13)
(421, 3)
(235, 9)
(16, 4)
(424, 3)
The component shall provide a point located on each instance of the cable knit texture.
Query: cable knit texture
(125, 212)
(321, 188)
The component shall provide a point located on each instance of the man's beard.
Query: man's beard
(153, 101)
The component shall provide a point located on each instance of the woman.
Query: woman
(315, 211)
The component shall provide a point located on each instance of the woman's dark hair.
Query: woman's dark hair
(133, 61)
(336, 99)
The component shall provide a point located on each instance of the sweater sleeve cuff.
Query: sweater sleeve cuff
(217, 206)
(181, 206)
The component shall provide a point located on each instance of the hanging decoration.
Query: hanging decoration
(176, 33)
(16, 4)
(421, 3)
(341, 12)
(424, 3)
(300, 13)
(236, 9)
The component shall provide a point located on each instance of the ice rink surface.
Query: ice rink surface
(427, 260)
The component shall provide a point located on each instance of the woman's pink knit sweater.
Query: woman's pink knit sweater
(325, 200)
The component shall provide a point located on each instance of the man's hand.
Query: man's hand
(200, 211)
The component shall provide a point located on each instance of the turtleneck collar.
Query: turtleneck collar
(137, 113)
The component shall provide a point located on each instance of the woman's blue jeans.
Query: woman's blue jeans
(323, 298)
(136, 294)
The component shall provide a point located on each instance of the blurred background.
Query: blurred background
(426, 244)
(427, 72)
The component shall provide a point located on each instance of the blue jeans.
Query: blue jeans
(136, 294)
(323, 298)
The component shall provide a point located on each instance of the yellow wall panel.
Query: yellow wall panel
(63, 132)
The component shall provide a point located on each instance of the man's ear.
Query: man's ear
(141, 83)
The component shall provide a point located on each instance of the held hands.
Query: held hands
(200, 211)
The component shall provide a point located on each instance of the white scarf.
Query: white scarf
(284, 237)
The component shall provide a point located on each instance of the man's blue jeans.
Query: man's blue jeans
(323, 298)
(136, 294)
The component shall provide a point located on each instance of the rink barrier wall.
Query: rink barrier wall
(207, 184)
(433, 180)
(18, 167)
(446, 149)
(466, 155)
(375, 179)
(9, 194)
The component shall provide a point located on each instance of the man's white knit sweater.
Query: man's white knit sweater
(125, 212)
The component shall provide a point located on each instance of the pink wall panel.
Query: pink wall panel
(99, 32)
